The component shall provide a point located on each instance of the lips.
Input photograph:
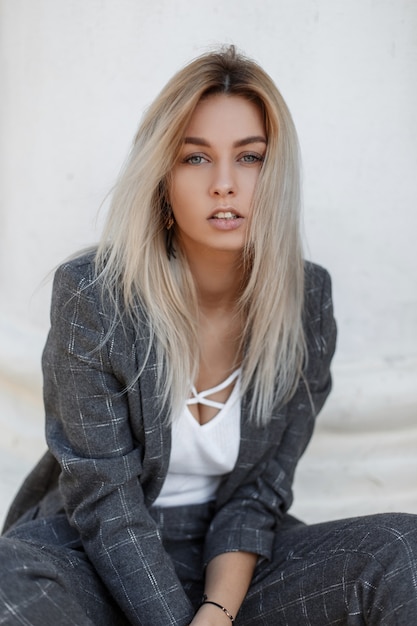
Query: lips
(225, 213)
(226, 219)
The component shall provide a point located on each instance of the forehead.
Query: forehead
(222, 113)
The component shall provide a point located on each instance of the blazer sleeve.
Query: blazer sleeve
(89, 432)
(249, 519)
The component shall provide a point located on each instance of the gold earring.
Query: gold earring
(169, 231)
(169, 220)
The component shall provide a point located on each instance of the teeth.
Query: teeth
(228, 215)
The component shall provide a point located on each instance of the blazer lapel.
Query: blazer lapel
(156, 432)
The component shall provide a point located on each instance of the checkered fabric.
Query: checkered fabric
(345, 573)
(112, 447)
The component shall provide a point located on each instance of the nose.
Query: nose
(223, 183)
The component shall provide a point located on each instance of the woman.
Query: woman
(187, 359)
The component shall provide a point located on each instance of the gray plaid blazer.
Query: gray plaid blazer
(109, 448)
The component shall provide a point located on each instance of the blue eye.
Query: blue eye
(252, 158)
(195, 159)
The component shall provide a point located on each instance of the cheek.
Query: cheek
(185, 190)
(248, 183)
(178, 188)
(181, 203)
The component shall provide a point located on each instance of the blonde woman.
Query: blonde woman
(187, 360)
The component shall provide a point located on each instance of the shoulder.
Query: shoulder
(316, 278)
(77, 292)
(77, 281)
(78, 270)
(319, 323)
(317, 289)
(80, 293)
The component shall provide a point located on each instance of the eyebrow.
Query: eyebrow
(199, 141)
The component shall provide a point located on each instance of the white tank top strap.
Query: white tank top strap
(201, 398)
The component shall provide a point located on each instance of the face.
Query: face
(215, 176)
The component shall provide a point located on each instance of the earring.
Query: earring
(169, 221)
(169, 231)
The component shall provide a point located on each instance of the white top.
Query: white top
(201, 454)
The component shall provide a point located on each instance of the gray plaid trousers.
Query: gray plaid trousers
(351, 572)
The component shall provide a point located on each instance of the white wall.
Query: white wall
(75, 76)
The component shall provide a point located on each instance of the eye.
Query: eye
(195, 159)
(251, 157)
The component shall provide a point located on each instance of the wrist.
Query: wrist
(211, 615)
(206, 601)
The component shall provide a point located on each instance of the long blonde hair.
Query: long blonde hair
(132, 258)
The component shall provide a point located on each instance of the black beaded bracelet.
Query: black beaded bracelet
(219, 606)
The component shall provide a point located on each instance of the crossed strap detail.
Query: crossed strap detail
(201, 398)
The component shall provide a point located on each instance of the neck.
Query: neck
(218, 276)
